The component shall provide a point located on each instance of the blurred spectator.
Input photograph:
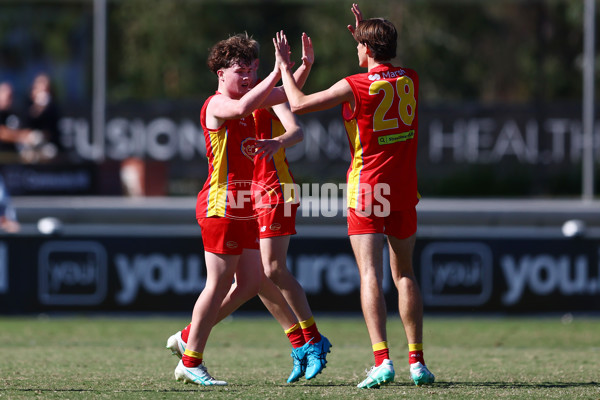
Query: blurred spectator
(34, 136)
(41, 120)
(10, 134)
(8, 215)
(9, 137)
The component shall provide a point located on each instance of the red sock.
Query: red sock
(310, 331)
(415, 356)
(415, 353)
(381, 352)
(185, 333)
(295, 335)
(381, 355)
(191, 358)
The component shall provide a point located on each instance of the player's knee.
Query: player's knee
(404, 272)
(274, 270)
(369, 274)
(401, 279)
(273, 274)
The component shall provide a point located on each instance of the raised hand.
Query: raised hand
(308, 53)
(357, 16)
(282, 50)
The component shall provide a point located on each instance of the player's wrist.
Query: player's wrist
(276, 72)
(283, 67)
(306, 63)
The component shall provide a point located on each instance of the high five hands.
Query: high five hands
(282, 50)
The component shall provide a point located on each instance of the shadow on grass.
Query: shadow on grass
(235, 388)
(190, 389)
(508, 385)
(449, 385)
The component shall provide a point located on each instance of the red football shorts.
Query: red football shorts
(279, 221)
(228, 236)
(400, 224)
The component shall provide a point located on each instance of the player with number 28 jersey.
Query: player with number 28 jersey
(382, 131)
(379, 108)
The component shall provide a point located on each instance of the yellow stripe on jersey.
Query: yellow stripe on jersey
(357, 163)
(217, 194)
(283, 172)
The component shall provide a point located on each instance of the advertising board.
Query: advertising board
(160, 274)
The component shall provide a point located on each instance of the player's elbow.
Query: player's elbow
(296, 108)
(297, 135)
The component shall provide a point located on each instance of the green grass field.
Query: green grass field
(125, 358)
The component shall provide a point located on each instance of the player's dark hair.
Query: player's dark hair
(380, 36)
(239, 49)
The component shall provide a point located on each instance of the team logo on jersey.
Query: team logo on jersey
(374, 77)
(275, 227)
(232, 244)
(249, 148)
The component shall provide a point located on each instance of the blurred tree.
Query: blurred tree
(503, 51)
(159, 48)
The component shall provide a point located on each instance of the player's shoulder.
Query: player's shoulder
(409, 71)
(217, 98)
(209, 102)
(396, 72)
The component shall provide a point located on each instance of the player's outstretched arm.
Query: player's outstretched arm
(357, 17)
(282, 57)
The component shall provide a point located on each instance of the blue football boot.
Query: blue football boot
(299, 357)
(316, 354)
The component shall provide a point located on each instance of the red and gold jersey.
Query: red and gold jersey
(382, 131)
(230, 150)
(273, 177)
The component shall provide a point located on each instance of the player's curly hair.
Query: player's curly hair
(239, 49)
(380, 36)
